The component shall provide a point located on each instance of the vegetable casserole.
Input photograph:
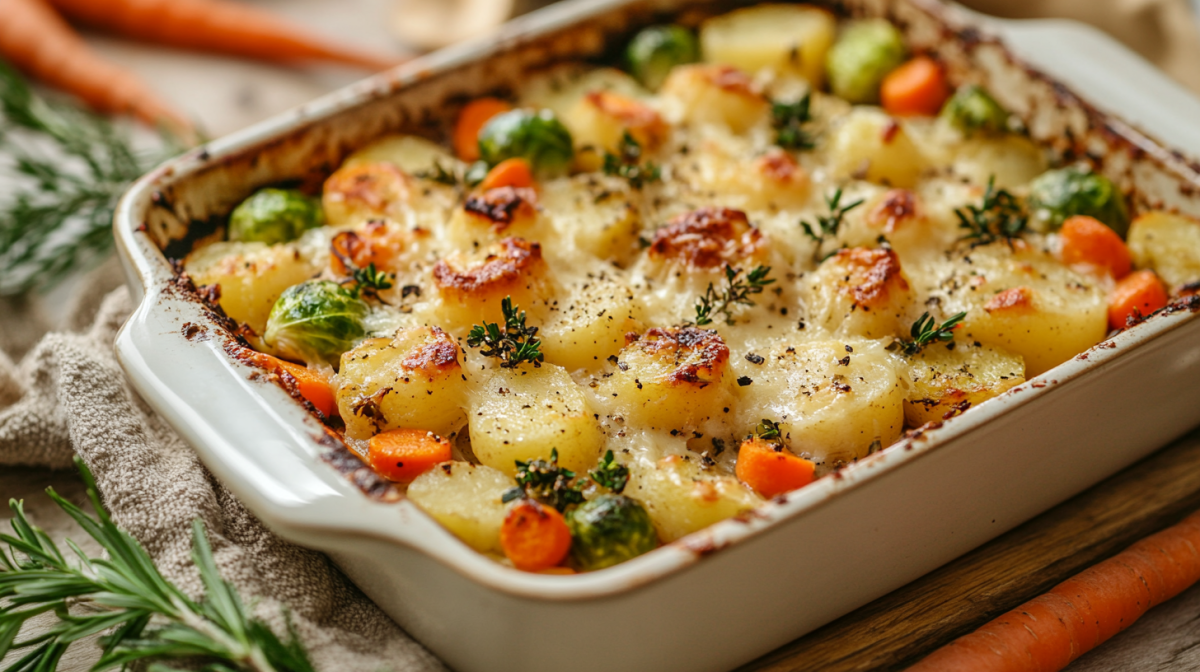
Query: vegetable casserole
(629, 300)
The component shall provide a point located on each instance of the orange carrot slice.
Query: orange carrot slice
(770, 469)
(1086, 240)
(470, 121)
(1139, 293)
(917, 88)
(514, 172)
(534, 537)
(404, 454)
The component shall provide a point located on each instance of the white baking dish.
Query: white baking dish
(734, 591)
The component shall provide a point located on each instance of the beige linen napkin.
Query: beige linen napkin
(69, 393)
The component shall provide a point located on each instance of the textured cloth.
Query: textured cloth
(68, 391)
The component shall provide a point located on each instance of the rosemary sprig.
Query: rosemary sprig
(610, 473)
(788, 120)
(827, 226)
(149, 618)
(514, 344)
(628, 164)
(71, 167)
(737, 292)
(926, 330)
(546, 482)
(1000, 215)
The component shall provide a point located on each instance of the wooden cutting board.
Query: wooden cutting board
(901, 627)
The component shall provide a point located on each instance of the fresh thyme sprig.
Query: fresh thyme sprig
(1000, 215)
(369, 281)
(926, 330)
(514, 344)
(827, 226)
(546, 482)
(737, 292)
(70, 167)
(466, 178)
(149, 618)
(610, 473)
(767, 430)
(627, 163)
(788, 120)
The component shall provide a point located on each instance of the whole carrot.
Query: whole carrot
(1051, 630)
(214, 25)
(36, 40)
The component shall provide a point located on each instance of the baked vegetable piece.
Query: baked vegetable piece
(316, 321)
(654, 51)
(609, 530)
(865, 52)
(787, 39)
(274, 216)
(972, 110)
(536, 136)
(1066, 192)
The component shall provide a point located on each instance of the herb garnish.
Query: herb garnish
(71, 167)
(515, 344)
(148, 617)
(767, 430)
(827, 226)
(369, 281)
(610, 473)
(788, 120)
(1000, 215)
(468, 177)
(737, 292)
(627, 163)
(546, 482)
(926, 330)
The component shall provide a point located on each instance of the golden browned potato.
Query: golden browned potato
(716, 94)
(682, 498)
(600, 120)
(473, 286)
(868, 144)
(861, 292)
(412, 381)
(466, 499)
(707, 238)
(584, 331)
(1168, 244)
(251, 276)
(952, 377)
(785, 38)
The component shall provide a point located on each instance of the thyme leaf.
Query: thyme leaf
(610, 473)
(369, 281)
(149, 618)
(767, 430)
(514, 343)
(926, 330)
(546, 482)
(827, 226)
(737, 292)
(627, 163)
(788, 120)
(999, 215)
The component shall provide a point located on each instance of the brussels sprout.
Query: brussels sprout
(609, 530)
(538, 137)
(655, 50)
(274, 216)
(972, 110)
(863, 55)
(315, 321)
(1058, 194)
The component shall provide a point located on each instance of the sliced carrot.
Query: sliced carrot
(404, 454)
(470, 121)
(216, 26)
(1139, 293)
(534, 537)
(311, 385)
(770, 469)
(514, 172)
(1086, 240)
(36, 40)
(1051, 630)
(917, 88)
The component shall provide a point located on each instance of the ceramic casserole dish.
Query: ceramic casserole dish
(731, 592)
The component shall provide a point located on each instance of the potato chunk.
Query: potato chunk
(589, 327)
(524, 413)
(861, 292)
(715, 94)
(707, 238)
(670, 378)
(1168, 244)
(559, 88)
(465, 498)
(832, 399)
(600, 120)
(409, 153)
(786, 38)
(411, 381)
(681, 498)
(870, 145)
(944, 380)
(595, 213)
(251, 276)
(473, 286)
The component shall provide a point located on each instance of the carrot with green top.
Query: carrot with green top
(471, 120)
(215, 26)
(1086, 240)
(1137, 294)
(534, 537)
(770, 469)
(917, 88)
(1051, 630)
(404, 454)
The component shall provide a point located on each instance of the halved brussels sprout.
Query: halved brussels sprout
(316, 321)
(274, 216)
(609, 530)
(972, 110)
(655, 50)
(536, 136)
(1058, 194)
(862, 56)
